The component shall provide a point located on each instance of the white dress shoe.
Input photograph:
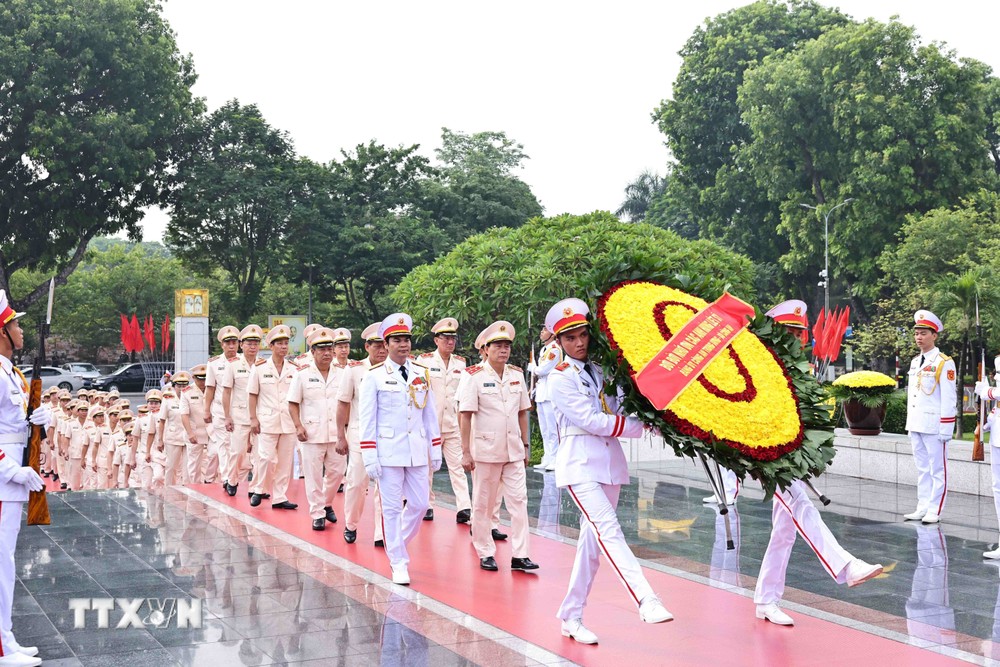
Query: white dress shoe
(772, 612)
(400, 575)
(574, 629)
(652, 611)
(992, 555)
(712, 500)
(915, 516)
(550, 467)
(19, 660)
(858, 572)
(931, 517)
(29, 651)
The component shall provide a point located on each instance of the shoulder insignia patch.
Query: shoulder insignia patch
(944, 357)
(472, 370)
(293, 365)
(234, 358)
(411, 356)
(214, 358)
(563, 366)
(260, 362)
(355, 362)
(951, 375)
(459, 357)
(515, 368)
(419, 365)
(426, 354)
(376, 366)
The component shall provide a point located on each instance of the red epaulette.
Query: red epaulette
(215, 357)
(516, 368)
(472, 370)
(426, 354)
(412, 358)
(260, 362)
(293, 365)
(563, 366)
(459, 357)
(234, 358)
(185, 389)
(355, 362)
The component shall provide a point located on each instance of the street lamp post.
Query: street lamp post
(826, 249)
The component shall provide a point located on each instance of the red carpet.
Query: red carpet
(712, 626)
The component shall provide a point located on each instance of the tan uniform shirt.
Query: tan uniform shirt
(215, 370)
(348, 393)
(271, 388)
(193, 405)
(173, 427)
(237, 378)
(104, 445)
(444, 379)
(317, 401)
(78, 437)
(495, 403)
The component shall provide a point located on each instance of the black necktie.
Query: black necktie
(921, 361)
(590, 372)
(402, 371)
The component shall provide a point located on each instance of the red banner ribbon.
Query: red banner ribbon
(689, 351)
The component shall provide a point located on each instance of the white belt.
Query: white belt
(575, 430)
(14, 438)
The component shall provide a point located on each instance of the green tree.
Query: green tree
(490, 277)
(234, 198)
(93, 100)
(862, 111)
(640, 195)
(705, 128)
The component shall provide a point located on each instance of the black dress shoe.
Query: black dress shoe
(55, 477)
(429, 515)
(489, 563)
(231, 490)
(283, 505)
(498, 536)
(265, 496)
(350, 535)
(340, 489)
(463, 516)
(254, 499)
(63, 486)
(331, 516)
(225, 487)
(319, 524)
(380, 543)
(523, 564)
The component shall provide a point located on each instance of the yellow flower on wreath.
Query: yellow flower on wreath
(752, 408)
(865, 380)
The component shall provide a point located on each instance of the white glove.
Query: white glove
(374, 470)
(983, 390)
(435, 463)
(996, 379)
(41, 416)
(26, 476)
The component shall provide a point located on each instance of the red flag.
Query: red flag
(165, 334)
(841, 328)
(818, 334)
(136, 334)
(124, 333)
(148, 331)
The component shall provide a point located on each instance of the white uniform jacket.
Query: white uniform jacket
(931, 395)
(13, 430)
(398, 417)
(548, 357)
(589, 426)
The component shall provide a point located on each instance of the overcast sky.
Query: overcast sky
(574, 82)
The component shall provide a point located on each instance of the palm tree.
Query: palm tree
(955, 299)
(640, 194)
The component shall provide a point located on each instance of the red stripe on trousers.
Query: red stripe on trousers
(806, 537)
(944, 461)
(601, 542)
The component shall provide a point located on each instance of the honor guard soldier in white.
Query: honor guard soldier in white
(444, 368)
(217, 455)
(399, 439)
(312, 400)
(548, 357)
(270, 419)
(349, 438)
(494, 408)
(15, 480)
(236, 403)
(591, 465)
(987, 393)
(931, 411)
(793, 512)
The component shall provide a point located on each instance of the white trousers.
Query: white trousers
(791, 513)
(725, 566)
(10, 526)
(929, 614)
(995, 469)
(399, 524)
(930, 457)
(550, 431)
(600, 532)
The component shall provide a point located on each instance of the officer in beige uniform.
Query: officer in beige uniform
(303, 360)
(494, 407)
(312, 401)
(271, 421)
(192, 402)
(155, 445)
(217, 455)
(79, 439)
(141, 472)
(236, 403)
(173, 435)
(349, 437)
(444, 368)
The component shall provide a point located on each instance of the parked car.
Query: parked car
(82, 369)
(136, 377)
(54, 377)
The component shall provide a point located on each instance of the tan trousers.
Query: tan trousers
(196, 463)
(217, 456)
(322, 467)
(487, 480)
(356, 489)
(275, 452)
(237, 460)
(74, 470)
(103, 478)
(451, 449)
(175, 471)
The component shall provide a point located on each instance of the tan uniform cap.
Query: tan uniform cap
(279, 332)
(499, 330)
(227, 332)
(446, 327)
(250, 332)
(371, 333)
